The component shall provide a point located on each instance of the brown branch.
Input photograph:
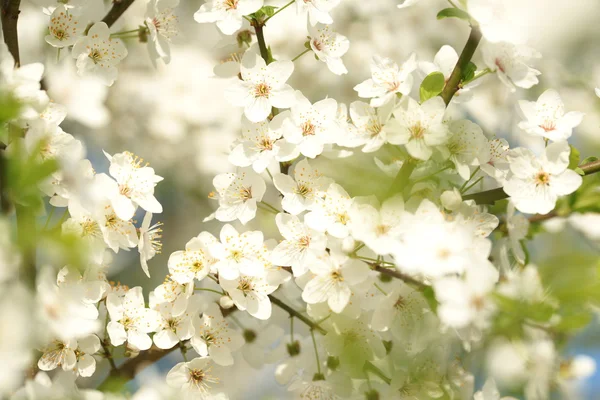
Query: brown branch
(9, 14)
(118, 8)
(453, 83)
(394, 273)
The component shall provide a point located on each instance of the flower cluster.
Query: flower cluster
(397, 281)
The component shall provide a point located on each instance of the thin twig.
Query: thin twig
(118, 8)
(9, 13)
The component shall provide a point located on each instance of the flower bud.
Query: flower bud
(225, 302)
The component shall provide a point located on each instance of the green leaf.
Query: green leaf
(432, 85)
(453, 13)
(269, 10)
(579, 171)
(574, 157)
(469, 72)
(589, 159)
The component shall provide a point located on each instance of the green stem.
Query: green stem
(479, 75)
(125, 32)
(270, 206)
(431, 175)
(310, 323)
(26, 233)
(472, 184)
(401, 180)
(279, 10)
(301, 54)
(210, 290)
(292, 327)
(453, 83)
(312, 334)
(262, 45)
(369, 366)
(462, 188)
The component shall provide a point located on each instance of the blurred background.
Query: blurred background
(175, 118)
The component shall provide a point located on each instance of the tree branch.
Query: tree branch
(394, 273)
(118, 8)
(310, 323)
(9, 14)
(453, 83)
(491, 196)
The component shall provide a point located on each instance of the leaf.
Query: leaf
(269, 10)
(469, 72)
(453, 13)
(589, 159)
(574, 157)
(579, 171)
(432, 85)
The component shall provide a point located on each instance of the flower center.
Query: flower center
(548, 125)
(230, 4)
(417, 131)
(500, 65)
(60, 34)
(262, 90)
(318, 45)
(245, 286)
(336, 276)
(343, 218)
(542, 178)
(125, 190)
(382, 229)
(265, 144)
(304, 242)
(374, 128)
(95, 55)
(197, 376)
(303, 190)
(400, 304)
(246, 193)
(197, 266)
(308, 129)
(111, 220)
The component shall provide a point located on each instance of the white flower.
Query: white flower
(331, 213)
(318, 10)
(419, 127)
(171, 329)
(387, 80)
(329, 46)
(71, 355)
(300, 192)
(162, 26)
(58, 354)
(97, 54)
(239, 253)
(490, 392)
(378, 229)
(401, 312)
(494, 159)
(261, 143)
(64, 28)
(213, 337)
(311, 126)
(537, 183)
(301, 245)
(464, 300)
(53, 143)
(195, 378)
(261, 87)
(175, 293)
(501, 22)
(435, 247)
(149, 243)
(84, 225)
(135, 185)
(238, 195)
(369, 126)
(228, 14)
(546, 117)
(250, 293)
(467, 145)
(334, 275)
(130, 320)
(64, 309)
(407, 3)
(510, 62)
(192, 263)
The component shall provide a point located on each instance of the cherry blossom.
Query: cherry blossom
(250, 293)
(162, 26)
(329, 47)
(511, 64)
(228, 14)
(387, 80)
(238, 195)
(261, 87)
(64, 28)
(318, 10)
(537, 182)
(547, 118)
(331, 213)
(419, 127)
(98, 55)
